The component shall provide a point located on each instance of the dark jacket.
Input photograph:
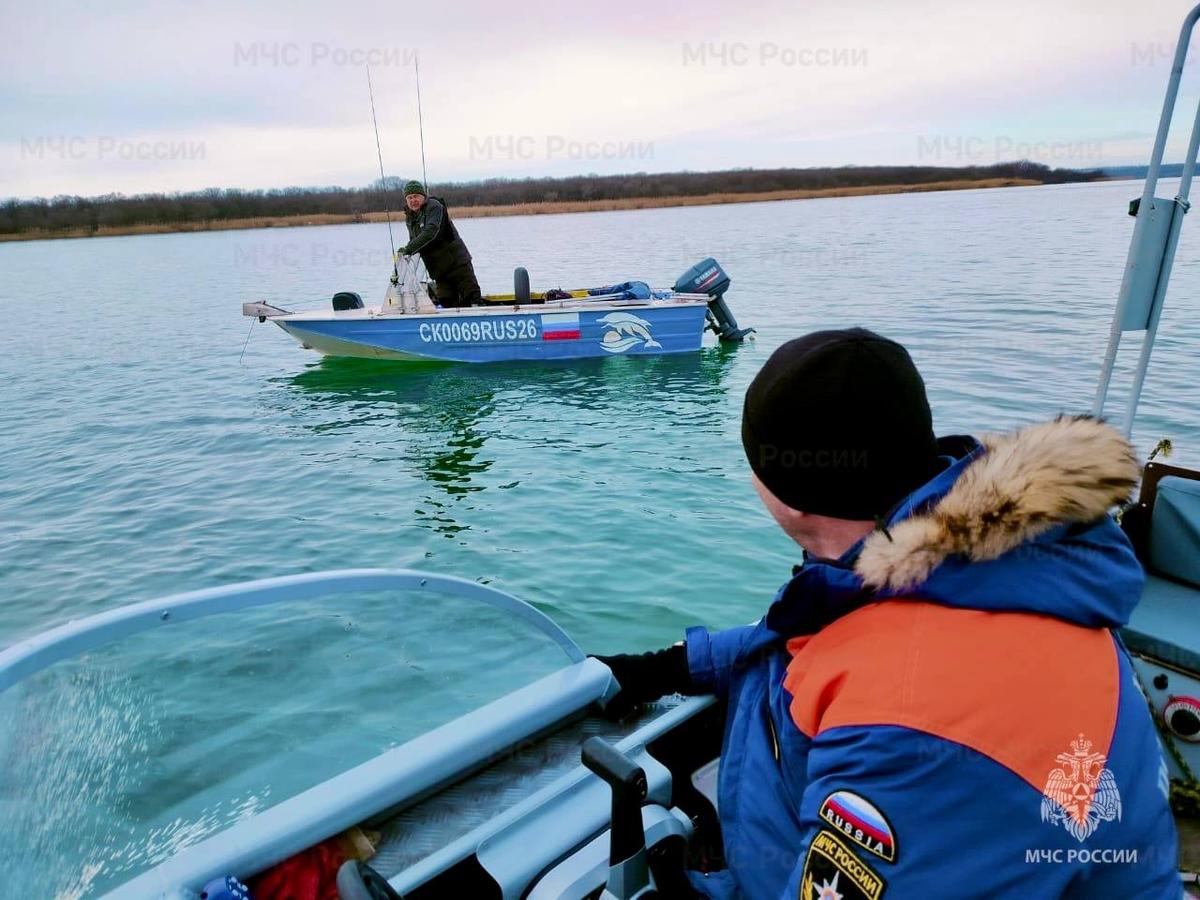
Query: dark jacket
(432, 234)
(944, 711)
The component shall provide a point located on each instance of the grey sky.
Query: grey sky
(137, 96)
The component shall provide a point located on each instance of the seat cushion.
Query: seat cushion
(1175, 530)
(1165, 625)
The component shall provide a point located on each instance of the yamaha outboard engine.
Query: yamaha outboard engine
(708, 277)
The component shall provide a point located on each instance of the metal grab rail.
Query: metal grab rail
(31, 655)
(1152, 248)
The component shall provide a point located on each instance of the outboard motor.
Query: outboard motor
(707, 277)
(346, 300)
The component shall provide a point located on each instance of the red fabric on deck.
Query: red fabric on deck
(309, 875)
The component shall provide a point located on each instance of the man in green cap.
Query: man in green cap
(434, 237)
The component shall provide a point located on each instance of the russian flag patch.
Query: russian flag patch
(860, 820)
(560, 327)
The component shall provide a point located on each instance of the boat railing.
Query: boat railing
(1152, 248)
(568, 305)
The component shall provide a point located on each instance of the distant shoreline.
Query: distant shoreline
(525, 209)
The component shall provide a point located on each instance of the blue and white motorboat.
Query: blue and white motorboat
(626, 319)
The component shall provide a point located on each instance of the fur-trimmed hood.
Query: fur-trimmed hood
(1015, 522)
(1068, 471)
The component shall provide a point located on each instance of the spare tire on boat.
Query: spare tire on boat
(520, 285)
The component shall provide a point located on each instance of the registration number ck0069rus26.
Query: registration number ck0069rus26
(479, 332)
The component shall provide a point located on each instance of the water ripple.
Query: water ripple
(139, 457)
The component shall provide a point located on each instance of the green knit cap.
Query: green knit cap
(414, 187)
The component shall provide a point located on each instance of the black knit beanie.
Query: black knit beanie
(837, 424)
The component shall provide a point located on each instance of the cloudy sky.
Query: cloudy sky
(134, 96)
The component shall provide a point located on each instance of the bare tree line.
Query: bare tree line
(64, 213)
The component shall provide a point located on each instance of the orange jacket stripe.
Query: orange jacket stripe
(1016, 687)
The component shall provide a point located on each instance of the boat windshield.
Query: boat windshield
(114, 760)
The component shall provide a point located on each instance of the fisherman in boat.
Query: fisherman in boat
(935, 704)
(432, 234)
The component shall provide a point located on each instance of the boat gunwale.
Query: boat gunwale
(370, 313)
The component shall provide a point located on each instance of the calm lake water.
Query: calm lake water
(143, 453)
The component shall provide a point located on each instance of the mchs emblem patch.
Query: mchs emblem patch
(832, 871)
(858, 819)
(1081, 793)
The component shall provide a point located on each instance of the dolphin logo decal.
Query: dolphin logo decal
(626, 330)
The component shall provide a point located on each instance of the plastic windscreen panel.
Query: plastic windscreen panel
(112, 762)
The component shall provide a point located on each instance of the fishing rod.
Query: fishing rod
(383, 178)
(420, 120)
(421, 132)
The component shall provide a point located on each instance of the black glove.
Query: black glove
(644, 677)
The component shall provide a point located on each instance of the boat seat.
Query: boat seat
(1165, 528)
(1175, 529)
(1165, 625)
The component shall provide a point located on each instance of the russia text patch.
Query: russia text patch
(861, 821)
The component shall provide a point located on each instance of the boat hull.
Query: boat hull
(497, 335)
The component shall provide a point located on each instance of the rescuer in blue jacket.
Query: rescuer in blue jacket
(935, 705)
